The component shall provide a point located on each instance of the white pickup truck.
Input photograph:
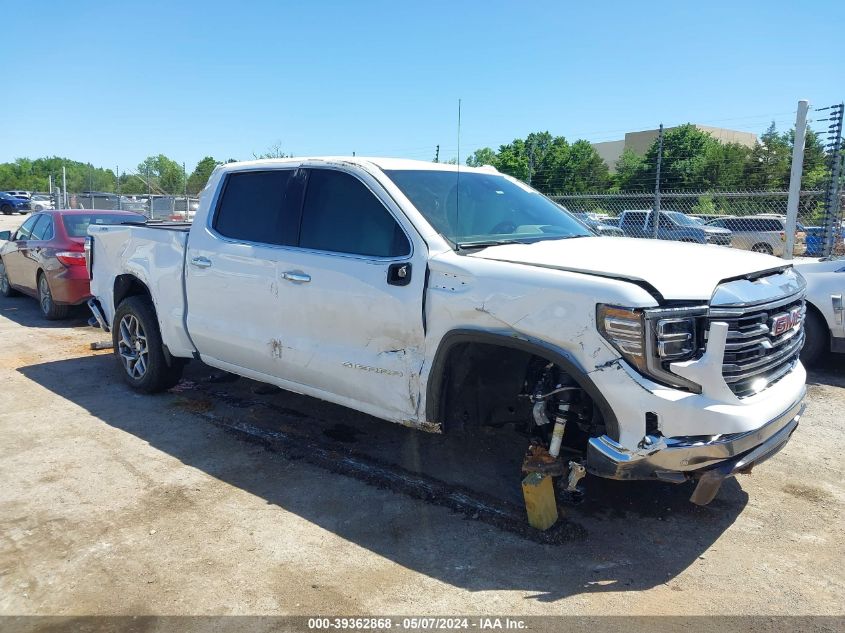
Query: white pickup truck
(441, 297)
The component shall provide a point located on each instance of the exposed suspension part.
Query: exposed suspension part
(563, 417)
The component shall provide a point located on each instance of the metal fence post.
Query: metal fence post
(795, 176)
(655, 214)
(832, 227)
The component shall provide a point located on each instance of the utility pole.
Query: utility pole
(64, 187)
(655, 214)
(117, 177)
(531, 158)
(831, 201)
(795, 176)
(185, 177)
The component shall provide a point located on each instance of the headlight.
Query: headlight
(652, 339)
(623, 328)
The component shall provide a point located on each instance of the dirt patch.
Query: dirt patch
(193, 406)
(808, 493)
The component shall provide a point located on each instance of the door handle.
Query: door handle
(201, 262)
(297, 277)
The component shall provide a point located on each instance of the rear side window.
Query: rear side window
(25, 231)
(341, 215)
(43, 230)
(253, 208)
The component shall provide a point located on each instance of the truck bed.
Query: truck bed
(153, 253)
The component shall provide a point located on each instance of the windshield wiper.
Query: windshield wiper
(463, 246)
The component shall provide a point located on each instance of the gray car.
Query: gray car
(598, 226)
(761, 234)
(673, 225)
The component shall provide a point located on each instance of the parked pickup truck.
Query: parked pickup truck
(673, 225)
(446, 298)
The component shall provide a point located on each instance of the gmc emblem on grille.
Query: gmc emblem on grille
(782, 323)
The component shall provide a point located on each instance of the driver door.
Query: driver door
(15, 254)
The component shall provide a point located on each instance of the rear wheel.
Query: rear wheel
(139, 348)
(817, 341)
(49, 308)
(762, 248)
(5, 287)
(6, 209)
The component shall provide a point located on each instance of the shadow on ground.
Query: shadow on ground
(634, 535)
(829, 371)
(24, 310)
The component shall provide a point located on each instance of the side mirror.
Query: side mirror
(5, 235)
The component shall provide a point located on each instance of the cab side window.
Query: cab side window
(341, 215)
(254, 208)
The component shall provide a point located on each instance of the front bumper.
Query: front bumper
(709, 459)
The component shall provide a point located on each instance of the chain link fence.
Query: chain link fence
(154, 207)
(748, 220)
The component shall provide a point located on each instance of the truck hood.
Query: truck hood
(675, 270)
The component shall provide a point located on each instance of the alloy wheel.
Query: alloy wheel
(132, 346)
(4, 280)
(44, 296)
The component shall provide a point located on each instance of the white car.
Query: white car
(825, 320)
(40, 202)
(24, 195)
(447, 298)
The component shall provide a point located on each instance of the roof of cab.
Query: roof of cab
(362, 161)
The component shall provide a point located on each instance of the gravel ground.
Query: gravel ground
(114, 503)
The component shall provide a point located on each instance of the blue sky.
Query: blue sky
(114, 82)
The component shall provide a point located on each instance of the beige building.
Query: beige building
(639, 142)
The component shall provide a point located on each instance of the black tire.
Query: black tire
(6, 209)
(138, 348)
(762, 248)
(5, 288)
(49, 308)
(817, 338)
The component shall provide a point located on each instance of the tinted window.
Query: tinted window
(343, 216)
(76, 225)
(722, 224)
(764, 224)
(43, 230)
(253, 207)
(637, 219)
(26, 228)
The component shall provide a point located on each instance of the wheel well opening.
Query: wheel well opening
(485, 384)
(128, 286)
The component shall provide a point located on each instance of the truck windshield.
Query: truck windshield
(680, 218)
(478, 209)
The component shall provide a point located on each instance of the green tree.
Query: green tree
(481, 157)
(199, 177)
(163, 174)
(630, 172)
(770, 161)
(33, 175)
(512, 159)
(274, 151)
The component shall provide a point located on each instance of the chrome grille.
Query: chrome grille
(757, 352)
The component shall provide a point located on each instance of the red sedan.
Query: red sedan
(45, 257)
